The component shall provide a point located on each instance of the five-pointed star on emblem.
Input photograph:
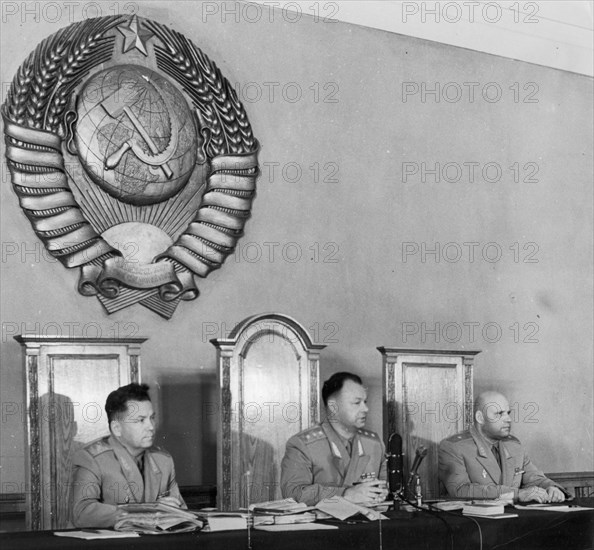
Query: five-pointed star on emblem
(135, 36)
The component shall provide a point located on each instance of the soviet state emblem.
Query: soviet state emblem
(132, 157)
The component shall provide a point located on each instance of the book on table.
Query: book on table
(483, 508)
(487, 509)
(278, 512)
(287, 506)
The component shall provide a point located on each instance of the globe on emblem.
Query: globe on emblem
(135, 134)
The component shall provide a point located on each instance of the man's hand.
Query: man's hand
(555, 494)
(372, 491)
(171, 501)
(533, 494)
(120, 513)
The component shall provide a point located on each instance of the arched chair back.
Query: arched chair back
(269, 390)
(66, 383)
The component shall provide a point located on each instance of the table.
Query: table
(533, 529)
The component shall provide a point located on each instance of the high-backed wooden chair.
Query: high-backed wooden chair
(269, 390)
(66, 383)
(428, 396)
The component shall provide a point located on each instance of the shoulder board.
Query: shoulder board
(367, 433)
(312, 434)
(159, 450)
(98, 446)
(462, 436)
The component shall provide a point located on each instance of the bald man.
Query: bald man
(487, 462)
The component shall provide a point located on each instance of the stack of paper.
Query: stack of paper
(269, 519)
(222, 521)
(552, 507)
(296, 527)
(155, 517)
(282, 512)
(280, 507)
(91, 534)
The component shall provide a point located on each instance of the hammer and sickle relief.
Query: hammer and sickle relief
(114, 108)
(142, 145)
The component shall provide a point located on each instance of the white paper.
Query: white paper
(295, 527)
(91, 534)
(549, 508)
(341, 508)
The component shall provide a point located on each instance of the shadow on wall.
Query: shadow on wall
(188, 420)
(258, 458)
(59, 441)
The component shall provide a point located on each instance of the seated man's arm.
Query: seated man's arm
(383, 469)
(533, 477)
(173, 496)
(88, 510)
(454, 475)
(297, 479)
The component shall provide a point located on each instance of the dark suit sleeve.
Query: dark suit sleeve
(297, 479)
(453, 474)
(87, 508)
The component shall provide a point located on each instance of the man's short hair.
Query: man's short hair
(335, 382)
(117, 400)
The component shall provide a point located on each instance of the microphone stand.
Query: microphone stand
(418, 491)
(250, 517)
(405, 492)
(394, 468)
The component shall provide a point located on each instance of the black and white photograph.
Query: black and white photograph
(297, 274)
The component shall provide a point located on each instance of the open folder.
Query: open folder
(155, 518)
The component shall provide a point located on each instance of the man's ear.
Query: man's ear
(331, 409)
(479, 417)
(115, 427)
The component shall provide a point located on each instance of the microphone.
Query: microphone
(420, 454)
(394, 456)
(249, 520)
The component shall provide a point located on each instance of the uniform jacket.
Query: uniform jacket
(468, 468)
(106, 474)
(316, 464)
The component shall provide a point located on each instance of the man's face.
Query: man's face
(496, 417)
(349, 406)
(136, 427)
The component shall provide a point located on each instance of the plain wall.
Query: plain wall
(358, 292)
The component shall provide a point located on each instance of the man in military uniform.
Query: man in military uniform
(487, 462)
(123, 467)
(336, 457)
